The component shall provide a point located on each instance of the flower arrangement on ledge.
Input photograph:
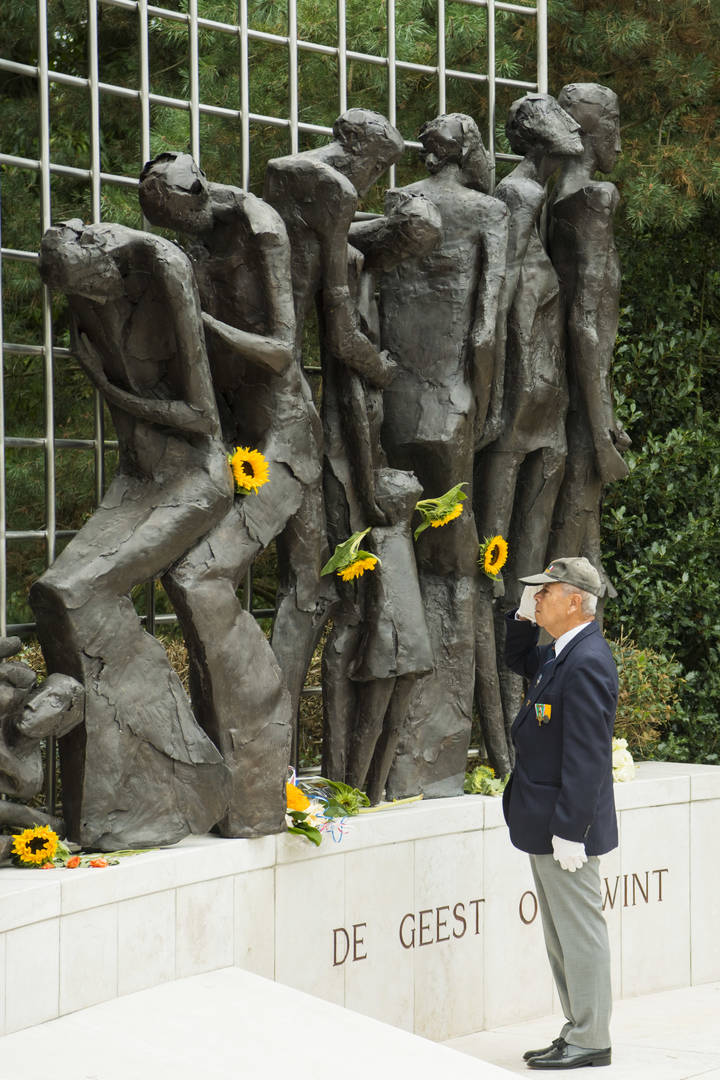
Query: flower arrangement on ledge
(440, 511)
(41, 848)
(623, 766)
(483, 781)
(317, 806)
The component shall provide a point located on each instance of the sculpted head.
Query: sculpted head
(74, 258)
(537, 123)
(597, 112)
(453, 138)
(174, 193)
(371, 145)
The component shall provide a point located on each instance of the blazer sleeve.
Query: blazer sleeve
(589, 704)
(521, 645)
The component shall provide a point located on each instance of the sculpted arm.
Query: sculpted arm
(410, 228)
(344, 336)
(524, 202)
(175, 414)
(273, 351)
(195, 412)
(488, 360)
(267, 352)
(591, 357)
(322, 200)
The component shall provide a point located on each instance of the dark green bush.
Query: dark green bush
(648, 696)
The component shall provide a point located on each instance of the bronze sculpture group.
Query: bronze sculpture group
(465, 337)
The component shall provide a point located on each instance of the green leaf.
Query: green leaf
(308, 831)
(433, 509)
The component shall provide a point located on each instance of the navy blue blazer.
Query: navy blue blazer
(562, 782)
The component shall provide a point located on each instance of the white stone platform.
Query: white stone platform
(414, 918)
(228, 1024)
(674, 1035)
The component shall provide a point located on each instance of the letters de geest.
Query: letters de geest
(428, 926)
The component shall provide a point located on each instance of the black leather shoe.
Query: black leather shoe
(568, 1056)
(545, 1050)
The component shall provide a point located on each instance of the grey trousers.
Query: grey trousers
(578, 948)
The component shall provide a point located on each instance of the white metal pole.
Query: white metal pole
(442, 87)
(491, 89)
(342, 55)
(293, 58)
(95, 194)
(194, 81)
(244, 95)
(542, 46)
(391, 75)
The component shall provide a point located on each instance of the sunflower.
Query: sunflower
(440, 510)
(494, 553)
(250, 469)
(349, 560)
(357, 568)
(36, 846)
(450, 516)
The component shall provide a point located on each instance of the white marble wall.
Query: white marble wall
(423, 916)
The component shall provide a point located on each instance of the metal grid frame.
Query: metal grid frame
(245, 117)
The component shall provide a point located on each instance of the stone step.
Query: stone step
(222, 1025)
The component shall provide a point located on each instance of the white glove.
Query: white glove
(569, 853)
(527, 602)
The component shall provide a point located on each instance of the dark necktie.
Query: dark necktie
(547, 667)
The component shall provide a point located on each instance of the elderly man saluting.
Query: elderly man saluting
(559, 802)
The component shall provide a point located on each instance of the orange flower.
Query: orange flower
(296, 799)
(47, 866)
(73, 862)
(99, 862)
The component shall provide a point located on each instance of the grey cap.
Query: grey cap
(576, 570)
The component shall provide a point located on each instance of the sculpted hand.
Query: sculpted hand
(527, 602)
(569, 853)
(389, 368)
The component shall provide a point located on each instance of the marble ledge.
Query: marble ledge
(656, 783)
(30, 896)
(394, 825)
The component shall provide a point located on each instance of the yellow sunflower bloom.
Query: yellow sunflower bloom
(455, 512)
(250, 468)
(495, 555)
(35, 846)
(357, 568)
(296, 799)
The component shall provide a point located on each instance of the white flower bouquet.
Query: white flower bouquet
(623, 766)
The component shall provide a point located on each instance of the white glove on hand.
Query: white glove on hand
(569, 853)
(527, 602)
